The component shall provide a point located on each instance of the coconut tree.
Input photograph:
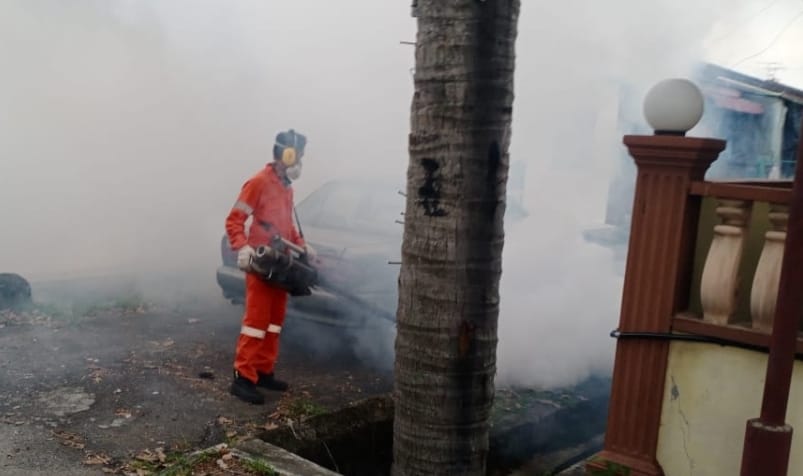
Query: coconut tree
(453, 235)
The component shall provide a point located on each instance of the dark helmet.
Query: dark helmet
(288, 139)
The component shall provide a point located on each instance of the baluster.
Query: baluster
(720, 281)
(768, 272)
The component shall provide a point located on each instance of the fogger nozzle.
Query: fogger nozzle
(282, 269)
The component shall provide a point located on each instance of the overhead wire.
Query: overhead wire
(754, 16)
(777, 37)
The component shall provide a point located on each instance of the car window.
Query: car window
(379, 211)
(340, 207)
(360, 206)
(310, 207)
(353, 206)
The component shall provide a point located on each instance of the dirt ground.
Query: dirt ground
(90, 383)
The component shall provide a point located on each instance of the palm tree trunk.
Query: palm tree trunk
(453, 235)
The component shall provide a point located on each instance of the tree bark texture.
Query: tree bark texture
(453, 235)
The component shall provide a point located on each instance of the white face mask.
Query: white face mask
(294, 172)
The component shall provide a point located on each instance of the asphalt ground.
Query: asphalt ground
(99, 372)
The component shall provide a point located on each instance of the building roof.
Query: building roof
(728, 86)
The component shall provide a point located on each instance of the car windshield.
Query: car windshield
(353, 206)
(368, 207)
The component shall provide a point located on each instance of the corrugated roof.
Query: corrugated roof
(750, 84)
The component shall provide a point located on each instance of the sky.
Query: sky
(128, 126)
(761, 40)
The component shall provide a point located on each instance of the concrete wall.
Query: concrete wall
(711, 391)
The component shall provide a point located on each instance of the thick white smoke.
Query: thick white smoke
(128, 126)
(560, 293)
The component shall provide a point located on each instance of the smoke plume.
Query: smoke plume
(582, 69)
(127, 128)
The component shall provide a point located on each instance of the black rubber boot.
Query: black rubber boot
(271, 383)
(246, 391)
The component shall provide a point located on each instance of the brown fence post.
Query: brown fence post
(656, 285)
(768, 439)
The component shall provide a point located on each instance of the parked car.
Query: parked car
(356, 227)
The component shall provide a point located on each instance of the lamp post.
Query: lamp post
(659, 264)
(673, 106)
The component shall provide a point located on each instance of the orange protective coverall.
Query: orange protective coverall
(269, 199)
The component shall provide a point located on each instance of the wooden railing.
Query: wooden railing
(740, 243)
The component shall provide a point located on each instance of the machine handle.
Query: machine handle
(294, 247)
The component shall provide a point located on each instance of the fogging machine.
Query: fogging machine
(286, 265)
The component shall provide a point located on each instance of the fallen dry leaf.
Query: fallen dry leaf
(224, 421)
(71, 440)
(221, 447)
(96, 373)
(161, 455)
(93, 459)
(270, 426)
(147, 456)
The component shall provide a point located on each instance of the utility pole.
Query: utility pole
(772, 67)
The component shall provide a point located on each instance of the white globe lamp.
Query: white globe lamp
(673, 106)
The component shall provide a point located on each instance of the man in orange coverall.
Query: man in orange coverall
(268, 198)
